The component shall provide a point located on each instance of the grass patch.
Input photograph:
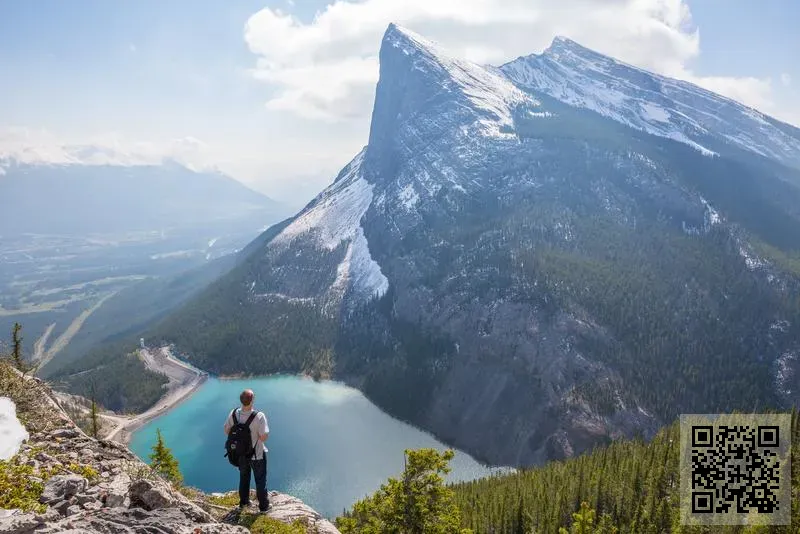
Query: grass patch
(86, 471)
(229, 499)
(261, 524)
(19, 488)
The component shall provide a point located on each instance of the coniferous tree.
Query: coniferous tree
(16, 351)
(416, 503)
(163, 462)
(94, 417)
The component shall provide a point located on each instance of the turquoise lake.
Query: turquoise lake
(328, 444)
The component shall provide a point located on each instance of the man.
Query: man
(259, 432)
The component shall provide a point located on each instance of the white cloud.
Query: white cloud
(786, 79)
(38, 146)
(327, 68)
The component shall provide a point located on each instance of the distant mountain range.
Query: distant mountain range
(532, 259)
(73, 236)
(105, 199)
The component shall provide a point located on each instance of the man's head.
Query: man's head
(247, 397)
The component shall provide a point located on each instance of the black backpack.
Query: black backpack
(239, 446)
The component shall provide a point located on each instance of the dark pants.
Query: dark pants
(259, 469)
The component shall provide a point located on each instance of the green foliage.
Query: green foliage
(674, 323)
(94, 418)
(583, 522)
(19, 488)
(163, 462)
(86, 471)
(417, 503)
(16, 351)
(229, 499)
(261, 524)
(631, 486)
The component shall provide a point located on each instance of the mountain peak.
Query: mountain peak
(413, 68)
(562, 44)
(408, 41)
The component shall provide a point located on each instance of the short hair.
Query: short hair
(247, 397)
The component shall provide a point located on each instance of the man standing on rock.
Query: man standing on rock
(259, 432)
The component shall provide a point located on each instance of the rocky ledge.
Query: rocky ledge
(100, 486)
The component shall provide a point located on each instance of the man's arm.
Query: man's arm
(227, 427)
(263, 432)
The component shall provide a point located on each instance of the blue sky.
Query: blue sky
(281, 100)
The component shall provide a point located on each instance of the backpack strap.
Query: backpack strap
(250, 419)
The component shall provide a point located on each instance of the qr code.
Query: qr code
(735, 469)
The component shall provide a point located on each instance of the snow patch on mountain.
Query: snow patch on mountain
(334, 217)
(785, 372)
(409, 197)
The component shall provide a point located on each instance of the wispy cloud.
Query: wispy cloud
(786, 79)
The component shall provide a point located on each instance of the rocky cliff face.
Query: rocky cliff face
(99, 486)
(533, 259)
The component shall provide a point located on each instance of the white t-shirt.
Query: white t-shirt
(258, 426)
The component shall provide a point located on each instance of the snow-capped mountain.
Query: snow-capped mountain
(526, 264)
(655, 104)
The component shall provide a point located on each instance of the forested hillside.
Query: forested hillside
(631, 485)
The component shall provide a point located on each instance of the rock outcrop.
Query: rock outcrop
(100, 486)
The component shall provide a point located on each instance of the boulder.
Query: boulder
(72, 510)
(150, 495)
(114, 492)
(61, 487)
(19, 524)
(65, 433)
(288, 509)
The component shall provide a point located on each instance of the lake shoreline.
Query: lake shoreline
(184, 381)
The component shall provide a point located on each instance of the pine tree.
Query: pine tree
(17, 346)
(163, 462)
(582, 521)
(416, 503)
(94, 417)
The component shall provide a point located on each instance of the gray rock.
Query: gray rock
(288, 509)
(72, 510)
(114, 500)
(136, 520)
(92, 506)
(150, 494)
(62, 487)
(115, 490)
(49, 516)
(65, 433)
(72, 455)
(83, 499)
(46, 458)
(19, 524)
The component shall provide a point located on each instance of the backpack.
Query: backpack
(239, 446)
